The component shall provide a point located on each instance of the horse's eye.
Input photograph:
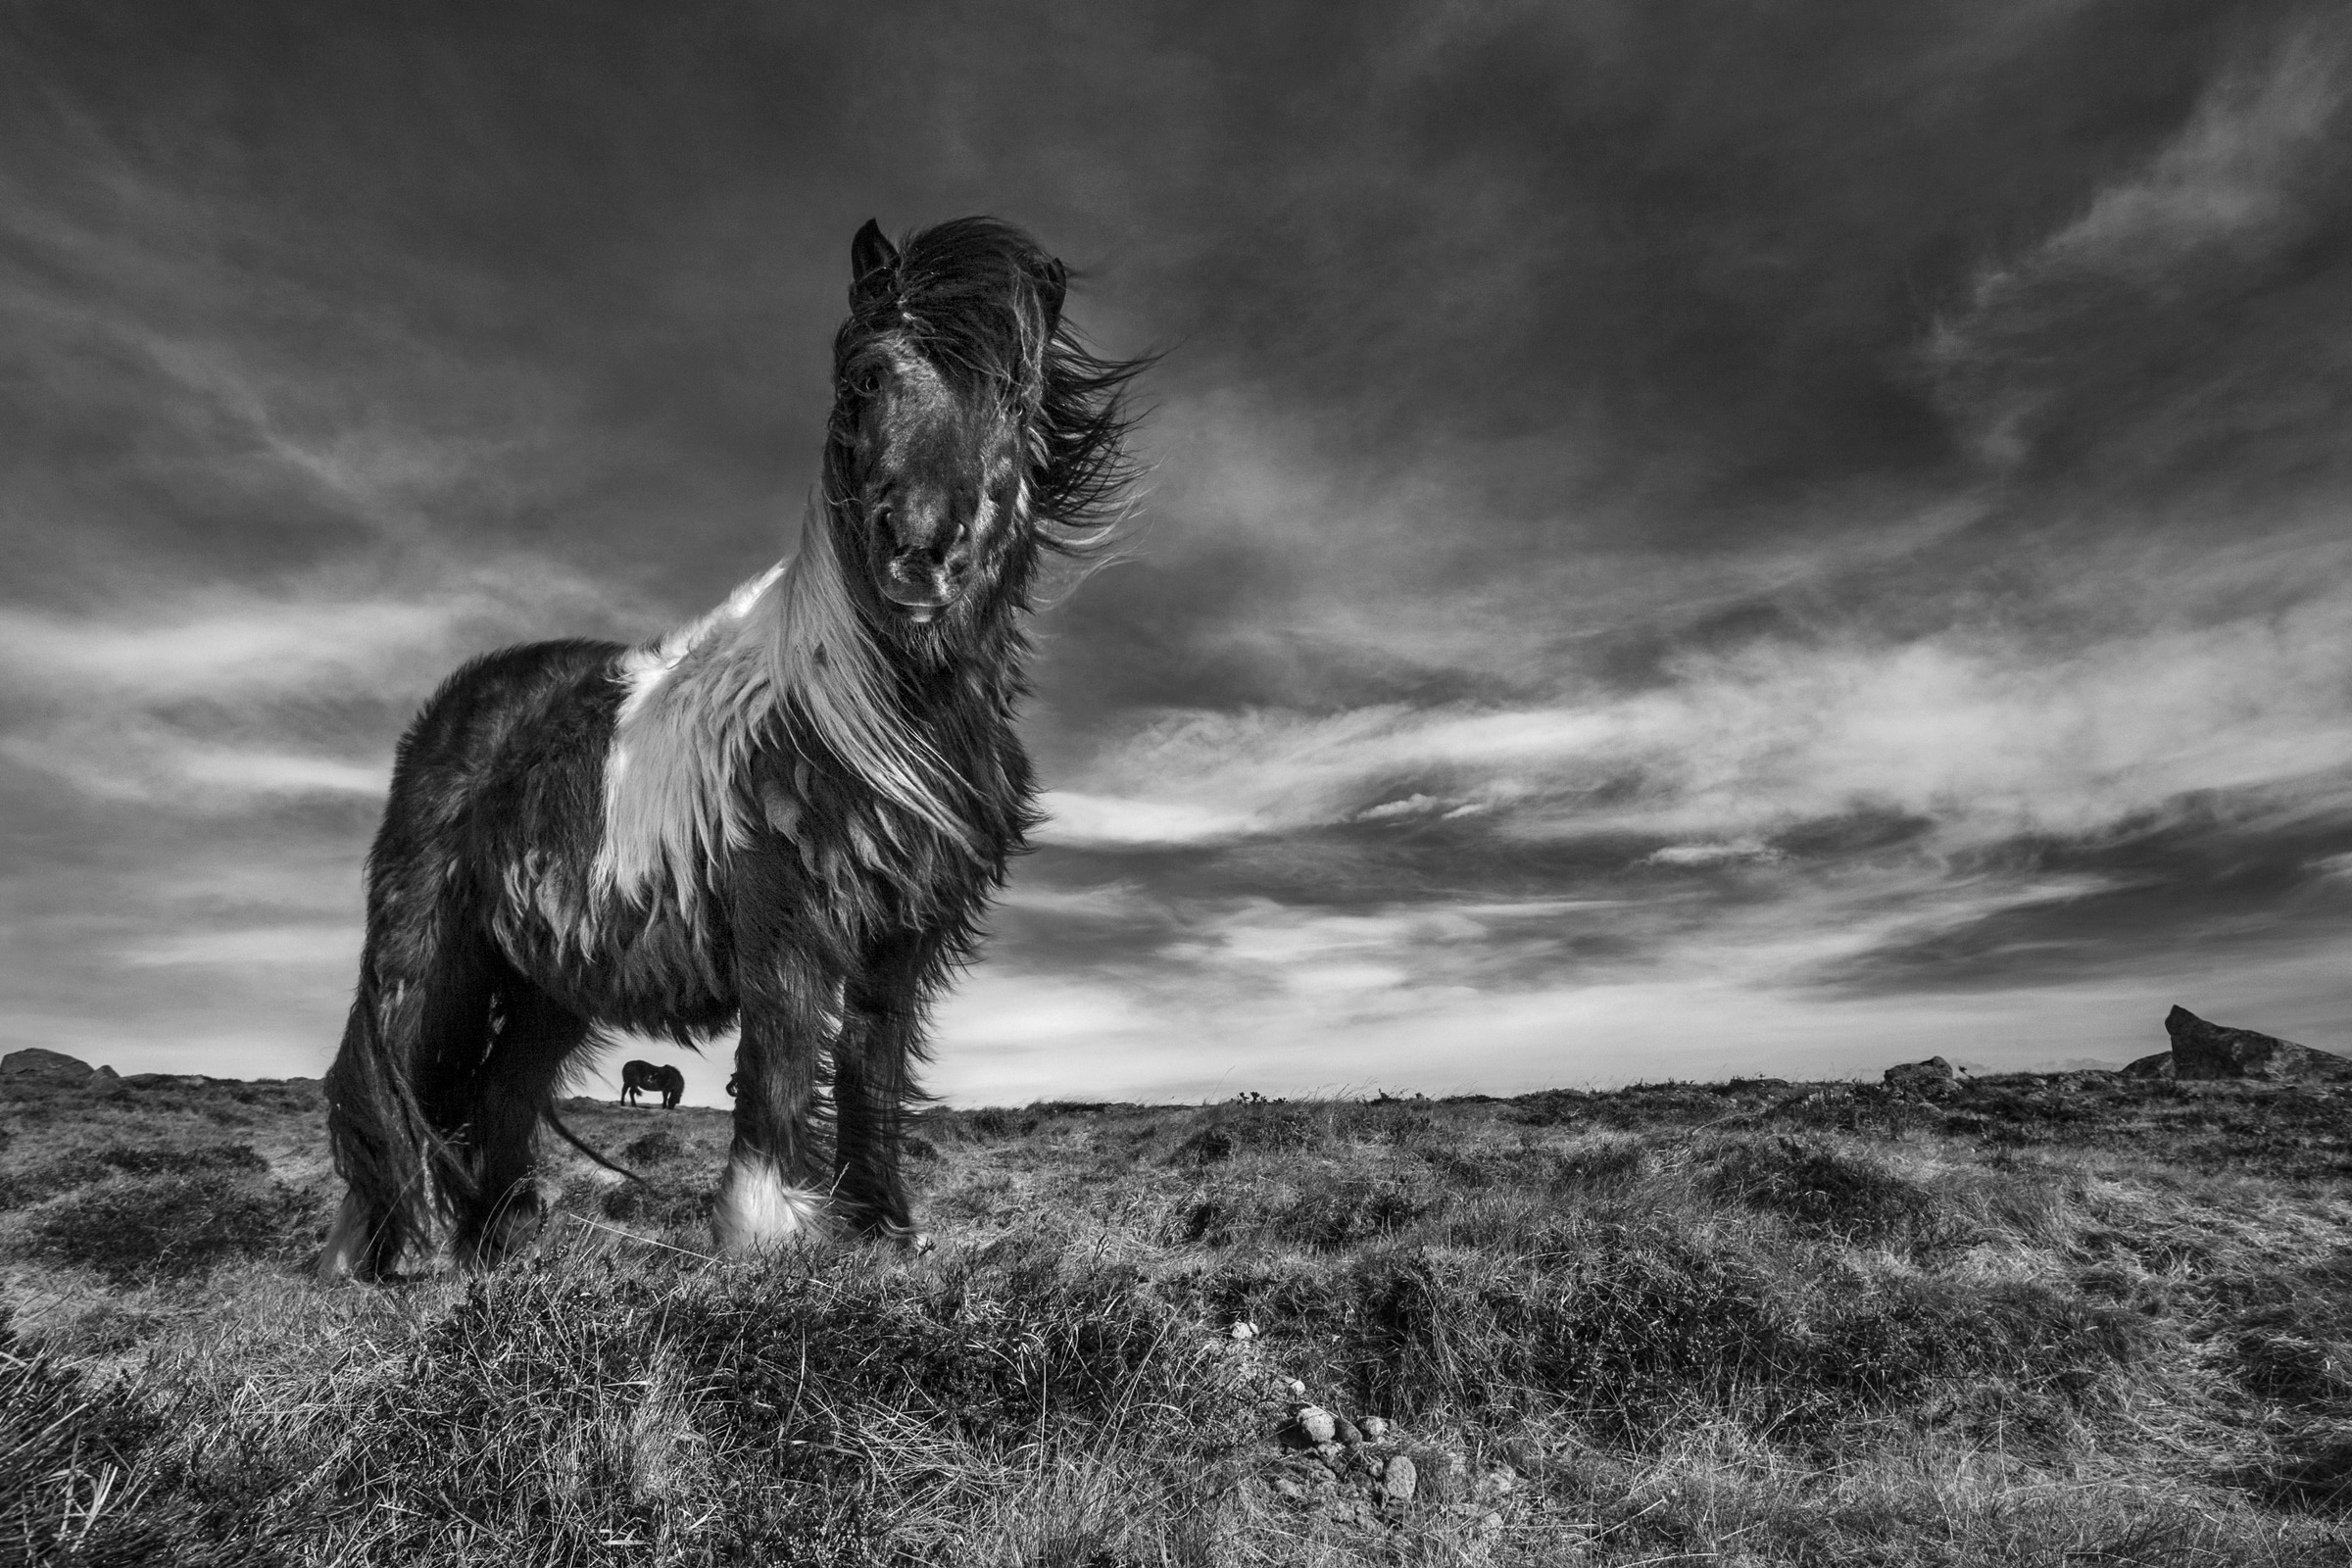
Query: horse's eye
(867, 384)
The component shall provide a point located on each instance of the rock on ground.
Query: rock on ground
(2205, 1051)
(1933, 1077)
(49, 1067)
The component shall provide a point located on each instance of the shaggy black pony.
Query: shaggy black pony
(791, 814)
(636, 1077)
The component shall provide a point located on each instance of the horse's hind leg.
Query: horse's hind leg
(532, 1037)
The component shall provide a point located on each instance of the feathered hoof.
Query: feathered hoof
(758, 1210)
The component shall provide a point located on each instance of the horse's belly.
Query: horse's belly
(656, 968)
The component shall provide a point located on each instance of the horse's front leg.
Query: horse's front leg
(774, 1187)
(881, 1039)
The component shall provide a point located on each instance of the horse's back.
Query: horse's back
(507, 730)
(493, 702)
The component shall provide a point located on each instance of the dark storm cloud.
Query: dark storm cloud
(2185, 326)
(1662, 511)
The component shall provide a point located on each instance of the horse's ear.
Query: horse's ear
(873, 263)
(1052, 287)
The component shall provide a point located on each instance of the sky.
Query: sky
(1683, 539)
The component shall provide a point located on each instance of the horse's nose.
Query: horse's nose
(941, 549)
(936, 536)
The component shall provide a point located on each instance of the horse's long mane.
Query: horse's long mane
(787, 644)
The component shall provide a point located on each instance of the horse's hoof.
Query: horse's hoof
(514, 1227)
(905, 1238)
(345, 1256)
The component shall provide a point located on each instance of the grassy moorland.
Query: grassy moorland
(2047, 1320)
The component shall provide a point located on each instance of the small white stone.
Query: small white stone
(1243, 1329)
(1374, 1427)
(1294, 1387)
(1399, 1479)
(1316, 1425)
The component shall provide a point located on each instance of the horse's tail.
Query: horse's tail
(566, 1134)
(404, 1173)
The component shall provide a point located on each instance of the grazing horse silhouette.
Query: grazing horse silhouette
(665, 1080)
(791, 814)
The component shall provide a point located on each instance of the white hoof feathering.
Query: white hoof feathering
(757, 1207)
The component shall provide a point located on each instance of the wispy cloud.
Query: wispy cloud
(1989, 735)
(213, 696)
(1073, 817)
(252, 946)
(317, 635)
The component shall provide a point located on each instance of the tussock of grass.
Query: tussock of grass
(36, 1183)
(656, 1148)
(140, 1229)
(1852, 1197)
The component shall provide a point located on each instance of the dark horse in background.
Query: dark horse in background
(636, 1077)
(790, 814)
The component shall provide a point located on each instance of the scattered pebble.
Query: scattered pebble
(1375, 1429)
(1399, 1479)
(1243, 1329)
(1350, 1433)
(1316, 1424)
(1294, 1387)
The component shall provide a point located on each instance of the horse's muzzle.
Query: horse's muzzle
(921, 585)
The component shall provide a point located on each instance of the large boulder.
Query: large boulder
(2211, 1050)
(47, 1069)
